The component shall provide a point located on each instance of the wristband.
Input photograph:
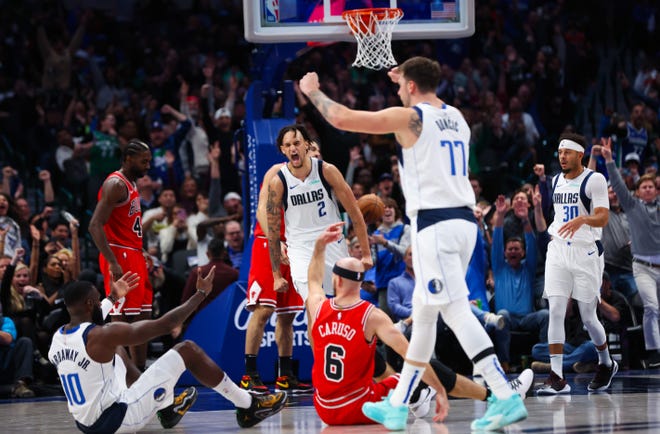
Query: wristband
(111, 298)
(106, 307)
(201, 291)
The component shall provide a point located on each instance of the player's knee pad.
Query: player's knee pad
(425, 314)
(557, 313)
(591, 323)
(455, 313)
(422, 341)
(557, 309)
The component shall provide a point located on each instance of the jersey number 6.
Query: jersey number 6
(334, 362)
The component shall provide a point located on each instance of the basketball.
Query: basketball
(372, 208)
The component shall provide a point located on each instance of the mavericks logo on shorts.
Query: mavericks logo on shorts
(159, 394)
(435, 286)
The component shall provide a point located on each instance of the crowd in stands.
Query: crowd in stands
(77, 84)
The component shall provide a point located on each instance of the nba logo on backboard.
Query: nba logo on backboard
(272, 11)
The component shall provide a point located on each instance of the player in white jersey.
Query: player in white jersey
(94, 378)
(435, 140)
(307, 189)
(574, 263)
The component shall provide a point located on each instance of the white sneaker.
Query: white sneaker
(494, 320)
(522, 384)
(422, 406)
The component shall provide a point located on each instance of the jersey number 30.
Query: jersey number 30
(73, 389)
(334, 362)
(570, 212)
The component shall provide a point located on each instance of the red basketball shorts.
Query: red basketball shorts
(138, 300)
(260, 283)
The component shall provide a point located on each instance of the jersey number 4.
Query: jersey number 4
(73, 389)
(137, 227)
(334, 362)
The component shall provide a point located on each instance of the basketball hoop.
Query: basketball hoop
(372, 29)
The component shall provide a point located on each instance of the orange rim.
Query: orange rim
(379, 13)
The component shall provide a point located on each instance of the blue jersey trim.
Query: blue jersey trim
(428, 217)
(284, 194)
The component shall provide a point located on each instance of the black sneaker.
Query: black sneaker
(653, 361)
(253, 384)
(554, 385)
(261, 408)
(291, 385)
(603, 377)
(170, 416)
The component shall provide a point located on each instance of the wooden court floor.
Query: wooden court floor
(631, 406)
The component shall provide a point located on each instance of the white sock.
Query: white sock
(604, 357)
(492, 372)
(556, 361)
(239, 397)
(408, 381)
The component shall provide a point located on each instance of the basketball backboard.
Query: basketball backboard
(273, 21)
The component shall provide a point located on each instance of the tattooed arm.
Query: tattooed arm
(273, 216)
(404, 122)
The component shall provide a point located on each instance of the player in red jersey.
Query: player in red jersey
(343, 332)
(116, 228)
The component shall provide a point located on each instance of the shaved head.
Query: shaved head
(348, 285)
(352, 264)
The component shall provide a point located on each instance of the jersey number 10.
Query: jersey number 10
(72, 389)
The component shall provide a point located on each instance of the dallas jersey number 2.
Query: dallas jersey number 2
(334, 362)
(460, 146)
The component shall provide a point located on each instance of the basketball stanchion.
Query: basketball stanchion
(372, 28)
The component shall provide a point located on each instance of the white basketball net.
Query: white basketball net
(373, 32)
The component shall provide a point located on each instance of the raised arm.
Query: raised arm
(385, 121)
(102, 341)
(7, 277)
(316, 269)
(49, 193)
(497, 245)
(215, 188)
(348, 201)
(626, 198)
(35, 254)
(8, 173)
(74, 265)
(539, 218)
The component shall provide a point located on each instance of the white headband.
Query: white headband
(570, 144)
